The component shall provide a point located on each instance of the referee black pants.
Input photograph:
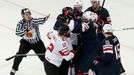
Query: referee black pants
(51, 69)
(25, 47)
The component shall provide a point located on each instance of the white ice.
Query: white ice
(121, 12)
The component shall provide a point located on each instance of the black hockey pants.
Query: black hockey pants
(25, 47)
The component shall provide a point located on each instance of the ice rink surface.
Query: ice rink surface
(121, 12)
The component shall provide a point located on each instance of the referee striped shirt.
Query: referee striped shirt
(23, 27)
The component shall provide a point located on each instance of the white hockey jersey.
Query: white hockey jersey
(58, 49)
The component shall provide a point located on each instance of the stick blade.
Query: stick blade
(7, 59)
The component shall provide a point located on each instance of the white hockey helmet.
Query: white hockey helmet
(95, 0)
(90, 16)
(78, 3)
(107, 28)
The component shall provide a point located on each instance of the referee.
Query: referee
(28, 29)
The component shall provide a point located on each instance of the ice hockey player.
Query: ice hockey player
(64, 18)
(77, 15)
(108, 63)
(103, 16)
(74, 36)
(57, 52)
(77, 11)
(89, 48)
(28, 29)
(67, 15)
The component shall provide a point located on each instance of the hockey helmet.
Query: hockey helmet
(89, 16)
(64, 29)
(25, 11)
(107, 28)
(67, 11)
(95, 0)
(62, 18)
(78, 3)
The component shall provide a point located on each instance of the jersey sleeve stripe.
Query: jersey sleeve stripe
(108, 51)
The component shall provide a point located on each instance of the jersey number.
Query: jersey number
(51, 47)
(117, 51)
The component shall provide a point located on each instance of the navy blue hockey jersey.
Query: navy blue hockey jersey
(111, 49)
(103, 15)
(89, 47)
(103, 18)
(109, 61)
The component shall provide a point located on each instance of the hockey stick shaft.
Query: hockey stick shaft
(103, 3)
(71, 71)
(7, 59)
(130, 28)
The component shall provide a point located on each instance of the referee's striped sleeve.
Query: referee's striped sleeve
(39, 21)
(20, 29)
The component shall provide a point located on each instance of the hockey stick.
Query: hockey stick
(71, 67)
(21, 55)
(130, 28)
(103, 3)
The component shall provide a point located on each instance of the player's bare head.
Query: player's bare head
(63, 30)
(107, 30)
(95, 3)
(26, 14)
